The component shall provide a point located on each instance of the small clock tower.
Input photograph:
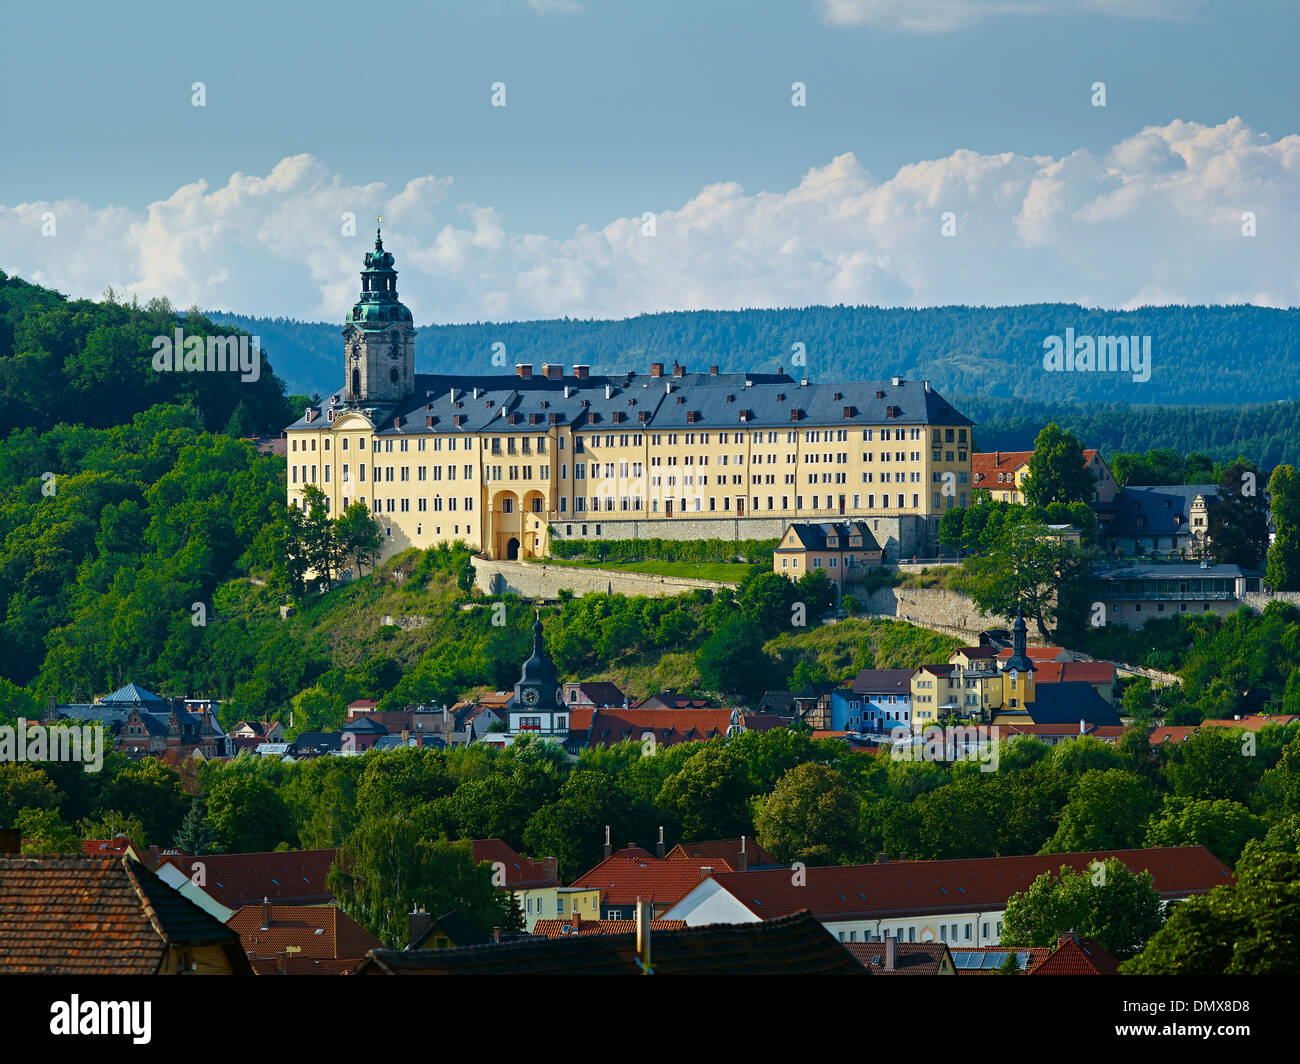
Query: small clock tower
(1018, 670)
(538, 686)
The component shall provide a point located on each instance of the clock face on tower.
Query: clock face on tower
(530, 696)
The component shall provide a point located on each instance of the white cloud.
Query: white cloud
(945, 16)
(1156, 218)
(559, 7)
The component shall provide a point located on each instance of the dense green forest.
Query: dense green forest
(1266, 433)
(1200, 355)
(80, 362)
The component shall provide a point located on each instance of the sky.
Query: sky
(649, 155)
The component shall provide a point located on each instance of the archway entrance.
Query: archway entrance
(512, 549)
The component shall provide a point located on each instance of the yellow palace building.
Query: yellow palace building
(505, 462)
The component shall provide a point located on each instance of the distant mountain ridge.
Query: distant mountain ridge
(1200, 354)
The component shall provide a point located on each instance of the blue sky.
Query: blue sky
(613, 109)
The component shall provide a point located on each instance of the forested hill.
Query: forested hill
(80, 362)
(1266, 433)
(1200, 355)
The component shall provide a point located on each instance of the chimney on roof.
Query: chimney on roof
(643, 917)
(580, 371)
(417, 926)
(609, 391)
(266, 913)
(524, 370)
(549, 864)
(744, 857)
(656, 369)
(552, 371)
(882, 858)
(496, 934)
(713, 371)
(659, 849)
(608, 848)
(706, 871)
(891, 953)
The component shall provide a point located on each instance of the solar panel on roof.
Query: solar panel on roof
(975, 960)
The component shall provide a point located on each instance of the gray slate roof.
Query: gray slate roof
(1162, 506)
(716, 403)
(813, 536)
(883, 681)
(1069, 703)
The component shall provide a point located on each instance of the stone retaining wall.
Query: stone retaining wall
(538, 580)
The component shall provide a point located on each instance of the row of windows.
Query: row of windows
(947, 933)
(635, 439)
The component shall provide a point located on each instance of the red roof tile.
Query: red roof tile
(911, 958)
(715, 851)
(294, 877)
(622, 879)
(897, 888)
(321, 931)
(97, 915)
(555, 928)
(1077, 956)
(668, 726)
(521, 872)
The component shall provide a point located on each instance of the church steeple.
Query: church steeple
(379, 335)
(538, 684)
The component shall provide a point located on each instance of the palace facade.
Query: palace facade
(506, 463)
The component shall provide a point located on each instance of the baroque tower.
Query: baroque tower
(379, 339)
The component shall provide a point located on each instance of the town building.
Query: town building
(844, 550)
(1003, 474)
(886, 701)
(957, 902)
(142, 724)
(1144, 591)
(1170, 521)
(505, 463)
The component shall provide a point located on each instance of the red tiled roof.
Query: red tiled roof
(322, 931)
(717, 851)
(554, 928)
(580, 718)
(1178, 733)
(911, 958)
(1074, 672)
(1173, 733)
(986, 465)
(294, 877)
(521, 872)
(905, 887)
(668, 726)
(622, 879)
(1077, 956)
(97, 914)
(118, 845)
(1036, 654)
